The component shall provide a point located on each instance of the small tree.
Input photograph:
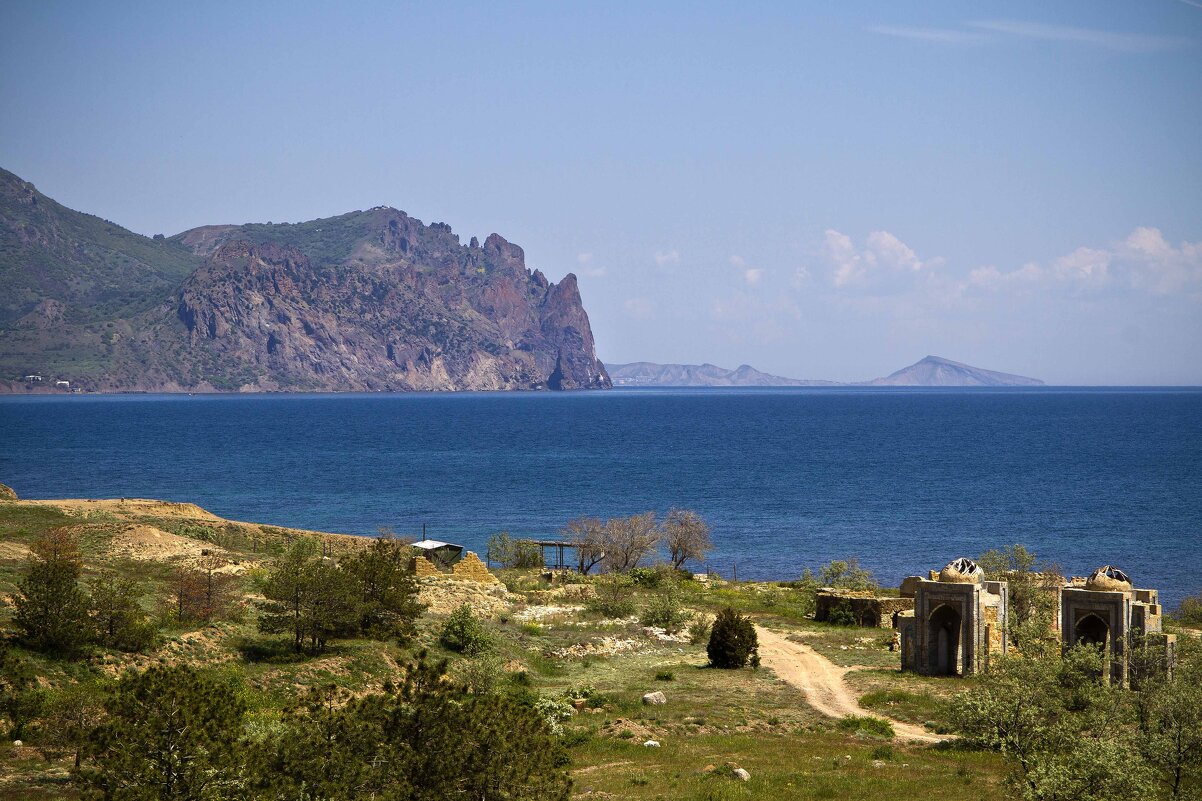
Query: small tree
(387, 591)
(20, 698)
(309, 597)
(733, 641)
(687, 537)
(1032, 606)
(52, 609)
(515, 553)
(1189, 613)
(665, 610)
(68, 719)
(171, 735)
(846, 574)
(587, 535)
(628, 540)
(118, 620)
(203, 593)
(463, 632)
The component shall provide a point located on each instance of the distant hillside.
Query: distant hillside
(934, 371)
(648, 374)
(369, 300)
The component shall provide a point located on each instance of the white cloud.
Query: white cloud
(666, 258)
(940, 35)
(883, 260)
(1144, 261)
(753, 275)
(1121, 42)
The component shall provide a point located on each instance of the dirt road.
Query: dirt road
(822, 682)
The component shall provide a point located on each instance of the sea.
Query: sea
(902, 479)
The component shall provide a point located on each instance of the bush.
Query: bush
(1190, 611)
(665, 611)
(841, 614)
(462, 632)
(733, 642)
(514, 553)
(864, 726)
(699, 631)
(665, 675)
(613, 597)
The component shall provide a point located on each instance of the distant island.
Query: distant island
(366, 301)
(648, 374)
(931, 371)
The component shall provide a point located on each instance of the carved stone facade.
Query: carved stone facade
(957, 624)
(960, 620)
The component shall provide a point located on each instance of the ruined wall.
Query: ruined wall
(470, 568)
(868, 609)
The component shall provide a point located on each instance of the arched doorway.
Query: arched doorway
(943, 638)
(1092, 630)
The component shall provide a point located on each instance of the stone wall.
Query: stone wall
(470, 568)
(868, 609)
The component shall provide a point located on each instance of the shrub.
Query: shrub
(864, 726)
(462, 632)
(733, 642)
(841, 614)
(699, 631)
(514, 553)
(649, 577)
(554, 712)
(665, 611)
(1190, 611)
(665, 675)
(613, 597)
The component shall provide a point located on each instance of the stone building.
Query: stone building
(873, 611)
(1107, 611)
(958, 621)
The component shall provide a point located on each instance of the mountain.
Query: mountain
(369, 300)
(934, 371)
(648, 374)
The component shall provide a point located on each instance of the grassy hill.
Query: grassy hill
(547, 644)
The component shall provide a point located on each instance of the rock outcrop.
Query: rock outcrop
(367, 301)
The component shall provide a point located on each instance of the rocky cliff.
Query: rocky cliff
(371, 300)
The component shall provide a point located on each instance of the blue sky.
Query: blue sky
(823, 190)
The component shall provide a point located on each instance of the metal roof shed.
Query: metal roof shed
(442, 554)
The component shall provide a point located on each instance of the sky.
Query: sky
(822, 190)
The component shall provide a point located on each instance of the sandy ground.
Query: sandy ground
(822, 682)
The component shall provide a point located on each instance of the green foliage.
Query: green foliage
(427, 739)
(1189, 613)
(733, 642)
(118, 620)
(52, 609)
(388, 604)
(514, 553)
(1032, 604)
(1069, 734)
(20, 699)
(699, 631)
(462, 632)
(1169, 714)
(649, 577)
(841, 614)
(613, 597)
(171, 735)
(310, 598)
(665, 611)
(864, 726)
(846, 574)
(68, 717)
(665, 675)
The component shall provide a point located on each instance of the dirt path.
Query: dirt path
(822, 682)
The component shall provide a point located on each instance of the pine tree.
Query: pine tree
(309, 597)
(118, 620)
(733, 641)
(171, 735)
(387, 591)
(52, 609)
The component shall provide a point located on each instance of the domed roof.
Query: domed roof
(1108, 579)
(962, 571)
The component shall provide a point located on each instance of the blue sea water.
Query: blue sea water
(903, 479)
